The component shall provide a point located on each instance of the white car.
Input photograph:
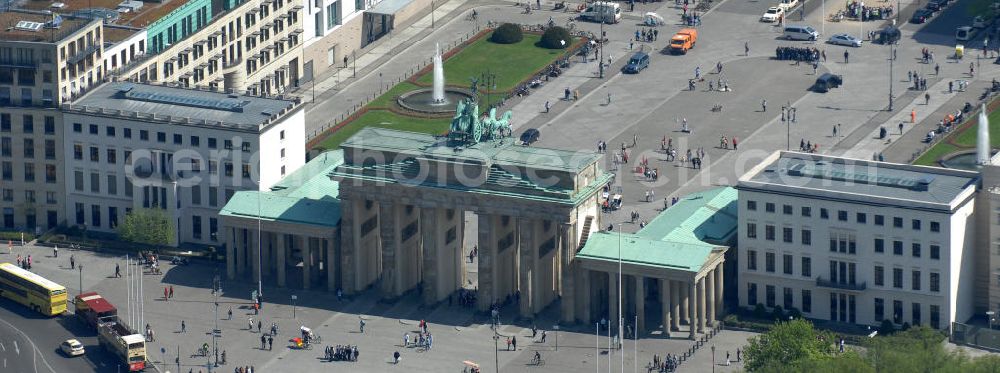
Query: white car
(787, 5)
(72, 347)
(772, 14)
(844, 39)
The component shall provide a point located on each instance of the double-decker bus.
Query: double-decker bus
(32, 290)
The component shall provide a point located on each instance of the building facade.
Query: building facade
(185, 151)
(858, 242)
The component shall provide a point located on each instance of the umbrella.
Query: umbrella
(470, 364)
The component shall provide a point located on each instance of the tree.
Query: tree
(507, 33)
(785, 343)
(918, 349)
(147, 226)
(556, 38)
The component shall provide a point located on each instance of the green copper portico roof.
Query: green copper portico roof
(306, 196)
(681, 238)
(506, 154)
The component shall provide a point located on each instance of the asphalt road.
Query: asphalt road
(29, 342)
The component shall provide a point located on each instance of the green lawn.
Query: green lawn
(388, 99)
(963, 140)
(385, 119)
(511, 63)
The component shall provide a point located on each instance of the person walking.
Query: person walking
(259, 325)
(183, 327)
(171, 291)
(513, 341)
(55, 251)
(72, 262)
(900, 128)
(250, 324)
(270, 343)
(263, 342)
(230, 314)
(546, 107)
(927, 98)
(736, 143)
(609, 98)
(846, 56)
(746, 48)
(118, 271)
(165, 294)
(362, 322)
(763, 106)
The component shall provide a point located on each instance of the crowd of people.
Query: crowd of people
(467, 297)
(341, 353)
(859, 10)
(664, 364)
(797, 54)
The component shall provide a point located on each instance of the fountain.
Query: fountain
(973, 160)
(438, 99)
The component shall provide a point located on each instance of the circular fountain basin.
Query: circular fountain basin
(421, 100)
(963, 160)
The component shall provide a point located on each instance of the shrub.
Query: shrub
(759, 311)
(507, 33)
(552, 37)
(794, 313)
(778, 313)
(886, 328)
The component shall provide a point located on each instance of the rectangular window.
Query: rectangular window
(6, 147)
(332, 15)
(161, 137)
(879, 275)
(95, 154)
(862, 218)
(752, 230)
(112, 157)
(110, 131)
(879, 220)
(897, 311)
(916, 250)
(93, 129)
(915, 224)
(212, 143)
(915, 280)
(842, 215)
(50, 125)
(897, 247)
(751, 293)
(245, 146)
(786, 209)
(112, 185)
(78, 180)
(227, 144)
(80, 214)
(806, 211)
(752, 205)
(935, 226)
(807, 301)
(127, 133)
(196, 227)
(824, 213)
(769, 262)
(213, 229)
(7, 172)
(768, 207)
(50, 149)
(8, 195)
(806, 237)
(786, 234)
(95, 215)
(935, 252)
(769, 232)
(112, 217)
(879, 309)
(897, 222)
(29, 148)
(751, 260)
(178, 139)
(78, 152)
(935, 282)
(897, 278)
(787, 264)
(213, 196)
(879, 245)
(78, 127)
(769, 296)
(806, 267)
(195, 141)
(28, 123)
(144, 135)
(915, 316)
(935, 316)
(787, 298)
(95, 182)
(29, 172)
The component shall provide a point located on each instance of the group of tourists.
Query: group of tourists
(24, 262)
(865, 13)
(664, 364)
(341, 353)
(798, 54)
(647, 34)
(467, 297)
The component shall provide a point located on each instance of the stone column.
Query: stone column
(241, 244)
(710, 300)
(306, 261)
(431, 245)
(640, 305)
(390, 244)
(330, 264)
(349, 227)
(719, 285)
(692, 292)
(701, 305)
(529, 264)
(280, 258)
(255, 252)
(686, 294)
(567, 252)
(585, 310)
(665, 305)
(487, 261)
(613, 299)
(675, 305)
(230, 253)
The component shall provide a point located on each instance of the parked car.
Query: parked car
(934, 6)
(826, 82)
(921, 16)
(71, 347)
(771, 14)
(529, 136)
(798, 32)
(979, 22)
(639, 61)
(844, 39)
(788, 5)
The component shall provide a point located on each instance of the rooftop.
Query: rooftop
(150, 12)
(10, 32)
(114, 34)
(834, 177)
(306, 196)
(682, 238)
(207, 108)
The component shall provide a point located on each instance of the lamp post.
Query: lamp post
(81, 278)
(496, 350)
(294, 297)
(989, 318)
(713, 358)
(215, 332)
(600, 62)
(788, 128)
(891, 61)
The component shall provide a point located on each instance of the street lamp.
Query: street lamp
(81, 278)
(496, 349)
(891, 61)
(788, 128)
(989, 318)
(600, 62)
(713, 358)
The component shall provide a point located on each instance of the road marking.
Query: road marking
(33, 347)
(16, 349)
(2, 347)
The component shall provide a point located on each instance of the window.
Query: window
(281, 134)
(332, 15)
(879, 245)
(112, 157)
(29, 148)
(127, 133)
(95, 215)
(6, 147)
(769, 290)
(80, 214)
(915, 278)
(8, 195)
(95, 154)
(879, 275)
(916, 250)
(768, 207)
(212, 143)
(112, 185)
(229, 169)
(935, 282)
(824, 214)
(752, 230)
(935, 316)
(842, 215)
(50, 149)
(769, 262)
(178, 139)
(227, 144)
(787, 298)
(77, 127)
(7, 171)
(897, 222)
(112, 217)
(245, 146)
(897, 247)
(769, 232)
(213, 167)
(196, 227)
(213, 229)
(786, 209)
(77, 151)
(50, 198)
(196, 195)
(897, 278)
(879, 220)
(935, 252)
(786, 234)
(806, 267)
(897, 311)
(195, 141)
(213, 196)
(144, 135)
(751, 260)
(935, 226)
(787, 264)
(29, 172)
(93, 129)
(751, 205)
(161, 137)
(95, 182)
(879, 309)
(28, 123)
(282, 153)
(915, 315)
(806, 237)
(862, 218)
(78, 180)
(751, 293)
(110, 131)
(807, 301)
(915, 224)
(806, 211)
(246, 170)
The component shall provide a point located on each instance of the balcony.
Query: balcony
(839, 285)
(82, 54)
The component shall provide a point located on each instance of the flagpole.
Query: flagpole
(621, 317)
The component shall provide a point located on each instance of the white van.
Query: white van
(964, 33)
(801, 33)
(602, 11)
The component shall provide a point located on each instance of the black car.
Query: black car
(934, 6)
(921, 16)
(529, 136)
(826, 82)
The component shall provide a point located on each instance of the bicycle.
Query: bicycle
(537, 360)
(203, 351)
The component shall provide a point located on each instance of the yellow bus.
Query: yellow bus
(32, 290)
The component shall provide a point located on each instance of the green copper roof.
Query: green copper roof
(306, 196)
(681, 238)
